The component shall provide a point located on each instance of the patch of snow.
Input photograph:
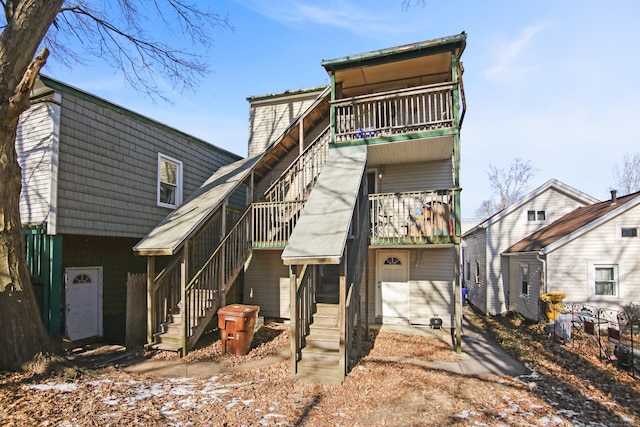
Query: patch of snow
(64, 387)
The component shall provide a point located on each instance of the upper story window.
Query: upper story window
(606, 280)
(629, 232)
(169, 181)
(524, 279)
(536, 215)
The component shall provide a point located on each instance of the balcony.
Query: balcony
(414, 218)
(413, 110)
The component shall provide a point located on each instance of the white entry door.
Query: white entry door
(84, 302)
(392, 289)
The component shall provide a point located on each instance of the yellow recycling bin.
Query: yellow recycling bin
(554, 303)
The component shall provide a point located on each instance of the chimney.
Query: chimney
(614, 197)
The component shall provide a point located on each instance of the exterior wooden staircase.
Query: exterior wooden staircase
(320, 358)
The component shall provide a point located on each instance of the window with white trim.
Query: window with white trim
(169, 181)
(477, 272)
(606, 280)
(524, 279)
(536, 215)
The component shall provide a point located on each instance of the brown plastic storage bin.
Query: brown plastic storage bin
(237, 323)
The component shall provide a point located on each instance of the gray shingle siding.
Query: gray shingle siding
(108, 169)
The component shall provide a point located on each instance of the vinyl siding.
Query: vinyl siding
(108, 169)
(419, 176)
(36, 146)
(269, 118)
(431, 278)
(512, 228)
(266, 283)
(527, 305)
(431, 283)
(476, 250)
(570, 268)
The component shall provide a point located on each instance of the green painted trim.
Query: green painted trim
(332, 109)
(396, 138)
(64, 88)
(56, 285)
(399, 53)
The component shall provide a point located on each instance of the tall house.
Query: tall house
(354, 213)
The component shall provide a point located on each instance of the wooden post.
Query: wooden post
(341, 316)
(458, 302)
(151, 314)
(185, 309)
(293, 315)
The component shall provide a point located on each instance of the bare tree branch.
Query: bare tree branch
(627, 176)
(119, 39)
(508, 186)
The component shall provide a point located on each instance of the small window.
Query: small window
(629, 232)
(524, 279)
(392, 261)
(477, 272)
(169, 181)
(605, 283)
(536, 215)
(468, 270)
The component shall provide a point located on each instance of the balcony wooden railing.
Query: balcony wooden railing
(296, 182)
(418, 217)
(416, 109)
(273, 223)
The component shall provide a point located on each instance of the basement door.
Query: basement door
(392, 288)
(83, 291)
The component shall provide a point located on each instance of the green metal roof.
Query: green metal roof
(398, 53)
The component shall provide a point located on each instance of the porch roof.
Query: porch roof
(322, 230)
(170, 234)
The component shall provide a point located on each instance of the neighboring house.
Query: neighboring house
(592, 254)
(96, 179)
(355, 213)
(486, 269)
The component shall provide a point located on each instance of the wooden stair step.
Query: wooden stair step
(334, 378)
(325, 357)
(324, 342)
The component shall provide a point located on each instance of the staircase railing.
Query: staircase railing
(296, 182)
(166, 293)
(205, 292)
(415, 109)
(350, 283)
(273, 222)
(303, 293)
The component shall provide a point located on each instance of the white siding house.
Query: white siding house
(485, 266)
(592, 254)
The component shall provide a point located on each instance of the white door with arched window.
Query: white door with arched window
(392, 287)
(83, 296)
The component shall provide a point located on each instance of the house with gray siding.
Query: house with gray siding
(354, 216)
(96, 178)
(486, 268)
(592, 254)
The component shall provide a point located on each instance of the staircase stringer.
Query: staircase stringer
(206, 291)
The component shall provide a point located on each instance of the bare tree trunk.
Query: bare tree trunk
(22, 335)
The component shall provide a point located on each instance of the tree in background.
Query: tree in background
(627, 176)
(113, 31)
(507, 186)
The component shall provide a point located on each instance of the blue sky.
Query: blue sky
(554, 82)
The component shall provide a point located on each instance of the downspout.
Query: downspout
(543, 277)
